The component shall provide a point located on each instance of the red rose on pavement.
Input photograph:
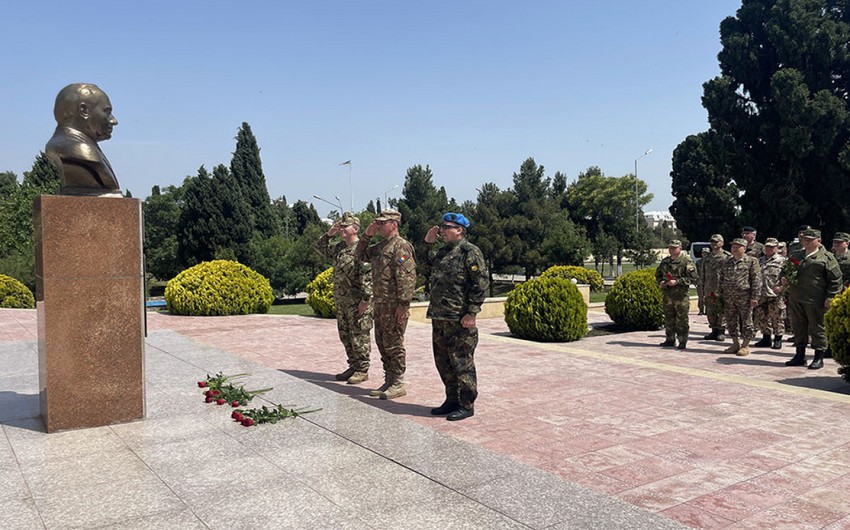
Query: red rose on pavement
(247, 422)
(208, 399)
(216, 392)
(234, 404)
(237, 415)
(220, 401)
(202, 384)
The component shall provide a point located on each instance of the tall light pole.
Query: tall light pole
(385, 194)
(350, 183)
(637, 196)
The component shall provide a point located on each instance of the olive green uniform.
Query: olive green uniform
(818, 278)
(675, 299)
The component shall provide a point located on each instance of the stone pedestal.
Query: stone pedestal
(90, 305)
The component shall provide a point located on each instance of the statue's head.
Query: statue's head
(86, 108)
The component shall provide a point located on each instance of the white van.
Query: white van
(696, 249)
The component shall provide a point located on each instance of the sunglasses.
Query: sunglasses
(445, 226)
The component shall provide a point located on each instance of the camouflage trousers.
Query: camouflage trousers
(713, 312)
(454, 350)
(354, 334)
(807, 322)
(676, 307)
(769, 316)
(739, 317)
(389, 336)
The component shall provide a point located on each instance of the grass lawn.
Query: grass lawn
(292, 309)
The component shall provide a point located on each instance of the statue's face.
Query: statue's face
(97, 118)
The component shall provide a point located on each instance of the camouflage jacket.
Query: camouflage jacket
(393, 268)
(459, 281)
(771, 270)
(681, 269)
(741, 279)
(711, 267)
(818, 277)
(352, 278)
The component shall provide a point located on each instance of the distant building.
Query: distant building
(656, 219)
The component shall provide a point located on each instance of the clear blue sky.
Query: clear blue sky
(470, 87)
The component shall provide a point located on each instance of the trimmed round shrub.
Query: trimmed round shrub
(218, 287)
(837, 322)
(582, 275)
(320, 294)
(547, 310)
(634, 301)
(14, 294)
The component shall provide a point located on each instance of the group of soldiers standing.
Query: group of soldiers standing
(767, 287)
(374, 284)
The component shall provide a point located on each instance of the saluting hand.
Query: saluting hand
(371, 229)
(433, 234)
(334, 229)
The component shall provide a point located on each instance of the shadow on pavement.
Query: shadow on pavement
(826, 383)
(750, 361)
(15, 406)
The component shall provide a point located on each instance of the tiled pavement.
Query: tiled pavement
(710, 440)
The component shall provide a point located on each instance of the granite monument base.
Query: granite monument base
(90, 306)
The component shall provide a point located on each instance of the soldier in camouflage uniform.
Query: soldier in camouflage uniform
(458, 282)
(754, 248)
(674, 275)
(769, 315)
(818, 281)
(839, 249)
(393, 281)
(711, 267)
(700, 290)
(352, 294)
(740, 289)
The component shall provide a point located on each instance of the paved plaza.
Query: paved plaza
(607, 432)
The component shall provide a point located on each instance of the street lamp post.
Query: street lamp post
(637, 197)
(338, 205)
(385, 194)
(350, 185)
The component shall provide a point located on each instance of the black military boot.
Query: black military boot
(765, 342)
(721, 335)
(777, 342)
(712, 335)
(817, 362)
(446, 408)
(668, 343)
(799, 357)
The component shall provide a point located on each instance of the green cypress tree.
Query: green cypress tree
(247, 170)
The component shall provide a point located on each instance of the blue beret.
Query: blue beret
(456, 218)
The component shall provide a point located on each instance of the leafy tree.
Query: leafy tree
(8, 183)
(214, 218)
(43, 175)
(247, 170)
(530, 216)
(609, 208)
(304, 215)
(162, 219)
(780, 112)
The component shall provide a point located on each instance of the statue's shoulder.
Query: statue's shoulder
(68, 143)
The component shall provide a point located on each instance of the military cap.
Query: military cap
(717, 237)
(705, 250)
(771, 242)
(749, 229)
(674, 243)
(739, 241)
(803, 228)
(841, 236)
(388, 214)
(456, 218)
(781, 244)
(348, 219)
(811, 233)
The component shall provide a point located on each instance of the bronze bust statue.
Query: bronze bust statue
(84, 117)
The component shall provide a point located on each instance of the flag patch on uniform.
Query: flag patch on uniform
(402, 259)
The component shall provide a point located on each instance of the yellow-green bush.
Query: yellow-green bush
(14, 294)
(547, 309)
(218, 287)
(634, 301)
(582, 275)
(837, 322)
(320, 294)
